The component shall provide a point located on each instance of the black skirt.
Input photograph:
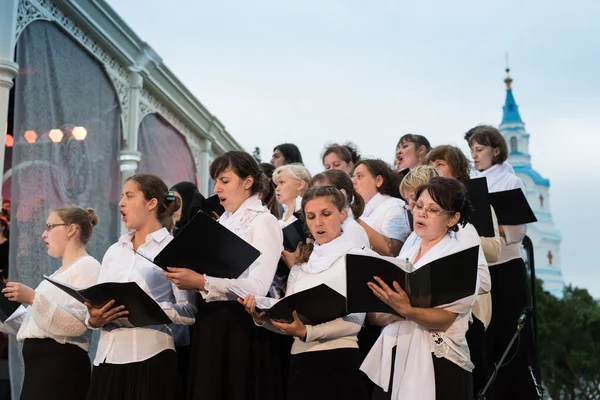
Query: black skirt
(325, 375)
(54, 371)
(476, 338)
(451, 381)
(233, 359)
(152, 379)
(510, 294)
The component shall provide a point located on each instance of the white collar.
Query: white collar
(374, 203)
(496, 173)
(252, 203)
(322, 257)
(156, 236)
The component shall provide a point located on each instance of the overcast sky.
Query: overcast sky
(313, 72)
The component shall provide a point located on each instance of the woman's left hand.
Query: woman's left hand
(395, 298)
(185, 279)
(295, 328)
(19, 293)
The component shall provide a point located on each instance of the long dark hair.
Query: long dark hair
(154, 188)
(391, 180)
(268, 193)
(243, 165)
(290, 152)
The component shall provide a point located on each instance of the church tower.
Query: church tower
(543, 234)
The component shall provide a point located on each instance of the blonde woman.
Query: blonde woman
(292, 181)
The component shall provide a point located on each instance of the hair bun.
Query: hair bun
(92, 216)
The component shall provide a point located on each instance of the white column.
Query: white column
(8, 68)
(129, 158)
(204, 165)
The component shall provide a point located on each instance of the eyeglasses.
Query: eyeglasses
(49, 227)
(430, 211)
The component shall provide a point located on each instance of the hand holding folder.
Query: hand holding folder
(441, 281)
(293, 235)
(207, 247)
(314, 306)
(143, 309)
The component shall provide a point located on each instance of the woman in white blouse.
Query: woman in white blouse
(52, 327)
(356, 204)
(325, 358)
(139, 363)
(510, 288)
(383, 217)
(291, 181)
(426, 355)
(231, 358)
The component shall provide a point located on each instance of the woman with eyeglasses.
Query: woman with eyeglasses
(139, 363)
(383, 217)
(52, 328)
(424, 354)
(510, 285)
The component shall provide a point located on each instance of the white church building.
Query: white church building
(544, 235)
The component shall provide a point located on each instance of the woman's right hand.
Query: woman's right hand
(101, 316)
(249, 304)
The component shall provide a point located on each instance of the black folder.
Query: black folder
(7, 307)
(512, 207)
(480, 199)
(214, 205)
(442, 281)
(143, 309)
(207, 247)
(293, 234)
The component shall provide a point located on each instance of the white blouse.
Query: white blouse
(352, 228)
(386, 215)
(54, 314)
(327, 265)
(501, 177)
(119, 345)
(413, 373)
(256, 225)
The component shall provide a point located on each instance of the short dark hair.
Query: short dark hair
(391, 180)
(451, 195)
(243, 165)
(341, 151)
(418, 140)
(353, 151)
(456, 159)
(154, 188)
(290, 152)
(341, 180)
(487, 135)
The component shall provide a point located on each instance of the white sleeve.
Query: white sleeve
(183, 311)
(483, 274)
(267, 237)
(395, 225)
(349, 325)
(59, 319)
(513, 233)
(14, 321)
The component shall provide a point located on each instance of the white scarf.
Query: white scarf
(414, 376)
(495, 174)
(248, 210)
(322, 257)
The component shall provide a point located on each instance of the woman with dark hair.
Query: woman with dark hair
(325, 358)
(192, 201)
(287, 153)
(231, 358)
(268, 193)
(423, 354)
(356, 204)
(52, 327)
(510, 290)
(338, 157)
(410, 152)
(139, 363)
(383, 217)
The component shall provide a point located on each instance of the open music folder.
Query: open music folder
(512, 207)
(314, 306)
(481, 217)
(294, 234)
(441, 281)
(143, 309)
(7, 307)
(207, 247)
(214, 204)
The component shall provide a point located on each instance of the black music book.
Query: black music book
(207, 247)
(294, 234)
(214, 205)
(314, 306)
(7, 307)
(481, 217)
(512, 207)
(441, 281)
(143, 309)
